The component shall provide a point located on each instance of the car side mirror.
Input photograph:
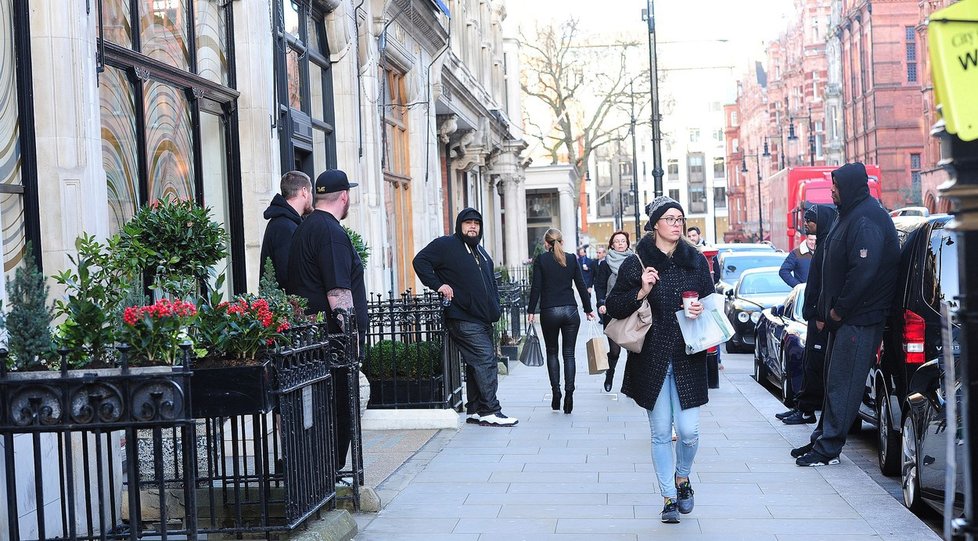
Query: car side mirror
(729, 293)
(778, 311)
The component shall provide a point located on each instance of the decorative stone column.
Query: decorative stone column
(568, 224)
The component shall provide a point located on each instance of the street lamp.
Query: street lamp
(811, 136)
(648, 15)
(743, 169)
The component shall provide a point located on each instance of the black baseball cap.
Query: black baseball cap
(333, 180)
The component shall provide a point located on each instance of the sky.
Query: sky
(745, 24)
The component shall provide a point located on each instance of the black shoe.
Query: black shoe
(801, 451)
(472, 418)
(569, 402)
(814, 458)
(670, 512)
(784, 414)
(555, 401)
(609, 379)
(685, 499)
(800, 418)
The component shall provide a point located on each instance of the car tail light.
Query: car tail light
(913, 337)
(713, 349)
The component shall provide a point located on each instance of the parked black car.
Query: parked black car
(780, 345)
(906, 394)
(756, 289)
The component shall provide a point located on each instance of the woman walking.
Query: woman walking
(663, 379)
(604, 282)
(550, 293)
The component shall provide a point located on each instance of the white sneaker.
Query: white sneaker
(497, 419)
(472, 418)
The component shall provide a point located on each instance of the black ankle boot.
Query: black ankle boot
(568, 402)
(609, 378)
(555, 401)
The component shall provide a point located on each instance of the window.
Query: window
(167, 125)
(911, 49)
(694, 164)
(674, 194)
(719, 171)
(720, 197)
(673, 169)
(397, 173)
(718, 136)
(697, 200)
(915, 177)
(625, 169)
(733, 118)
(19, 217)
(694, 135)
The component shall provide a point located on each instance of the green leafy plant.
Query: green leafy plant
(28, 324)
(290, 307)
(175, 241)
(381, 359)
(240, 329)
(92, 295)
(155, 332)
(388, 359)
(359, 245)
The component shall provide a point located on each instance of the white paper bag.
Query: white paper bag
(711, 328)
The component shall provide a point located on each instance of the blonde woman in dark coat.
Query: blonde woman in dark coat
(663, 379)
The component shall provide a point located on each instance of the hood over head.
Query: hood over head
(825, 216)
(853, 185)
(469, 213)
(279, 208)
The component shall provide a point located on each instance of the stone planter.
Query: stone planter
(406, 393)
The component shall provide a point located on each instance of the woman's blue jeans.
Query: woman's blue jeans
(663, 414)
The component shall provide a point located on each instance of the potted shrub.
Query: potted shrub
(404, 374)
(28, 324)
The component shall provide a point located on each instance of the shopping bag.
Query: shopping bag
(630, 332)
(597, 352)
(531, 355)
(711, 328)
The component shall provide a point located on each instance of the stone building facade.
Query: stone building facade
(108, 109)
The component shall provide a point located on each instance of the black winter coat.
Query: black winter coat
(862, 253)
(824, 220)
(282, 223)
(686, 270)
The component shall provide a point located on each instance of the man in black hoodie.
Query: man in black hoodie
(818, 221)
(284, 215)
(459, 268)
(859, 272)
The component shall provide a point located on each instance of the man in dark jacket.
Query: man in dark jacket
(818, 220)
(794, 269)
(587, 265)
(284, 215)
(859, 273)
(459, 268)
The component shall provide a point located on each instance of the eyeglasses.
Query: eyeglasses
(673, 220)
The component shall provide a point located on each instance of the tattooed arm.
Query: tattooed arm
(340, 298)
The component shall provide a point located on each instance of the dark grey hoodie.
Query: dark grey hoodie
(862, 252)
(466, 266)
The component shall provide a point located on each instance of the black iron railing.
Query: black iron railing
(116, 453)
(409, 357)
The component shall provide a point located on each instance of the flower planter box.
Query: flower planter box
(407, 393)
(226, 391)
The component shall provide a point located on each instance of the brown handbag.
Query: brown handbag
(630, 332)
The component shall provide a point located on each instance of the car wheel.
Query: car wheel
(888, 440)
(760, 374)
(787, 393)
(909, 467)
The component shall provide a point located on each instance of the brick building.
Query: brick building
(881, 88)
(932, 175)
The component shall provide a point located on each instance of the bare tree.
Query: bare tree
(587, 89)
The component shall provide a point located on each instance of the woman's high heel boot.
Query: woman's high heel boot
(568, 402)
(555, 401)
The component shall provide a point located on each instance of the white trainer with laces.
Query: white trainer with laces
(497, 419)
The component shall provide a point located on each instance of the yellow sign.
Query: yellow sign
(952, 35)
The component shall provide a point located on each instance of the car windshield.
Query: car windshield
(763, 283)
(733, 267)
(799, 306)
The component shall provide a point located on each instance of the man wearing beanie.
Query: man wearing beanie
(818, 221)
(458, 267)
(859, 274)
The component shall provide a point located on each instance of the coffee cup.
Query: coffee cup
(689, 297)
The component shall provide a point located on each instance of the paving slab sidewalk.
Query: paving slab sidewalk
(588, 475)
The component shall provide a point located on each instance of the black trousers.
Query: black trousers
(809, 397)
(560, 322)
